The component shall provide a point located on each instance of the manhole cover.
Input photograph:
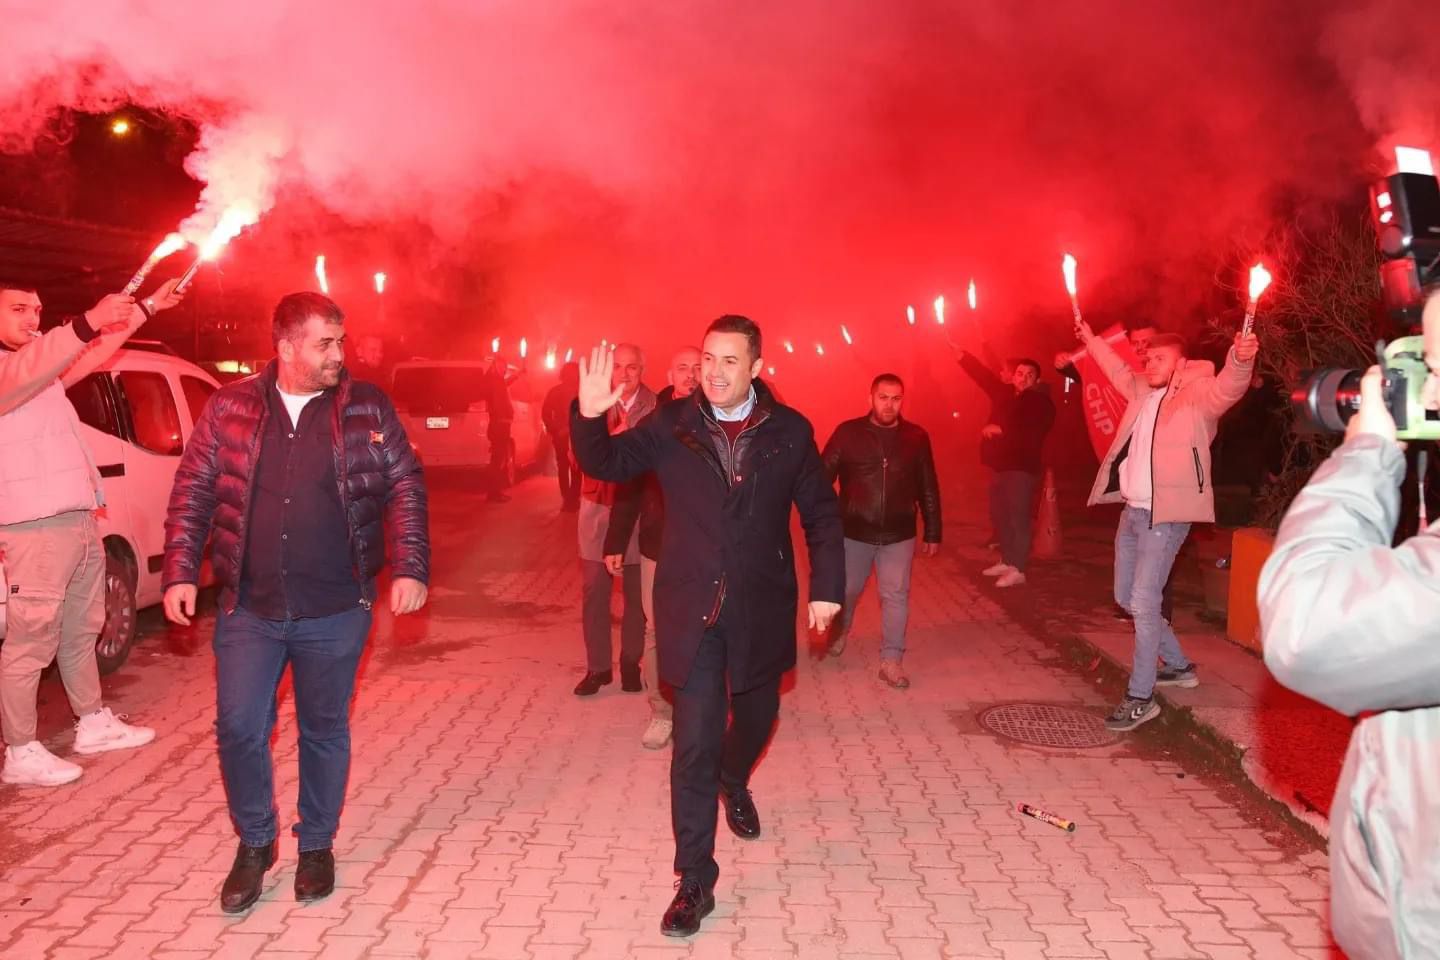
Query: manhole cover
(1046, 725)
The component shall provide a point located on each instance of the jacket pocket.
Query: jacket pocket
(1199, 473)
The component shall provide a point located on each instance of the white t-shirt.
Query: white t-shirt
(1136, 481)
(295, 402)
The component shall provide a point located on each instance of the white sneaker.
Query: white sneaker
(1011, 578)
(998, 570)
(102, 730)
(30, 764)
(658, 733)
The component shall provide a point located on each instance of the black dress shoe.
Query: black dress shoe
(692, 903)
(593, 682)
(630, 679)
(247, 875)
(315, 874)
(740, 813)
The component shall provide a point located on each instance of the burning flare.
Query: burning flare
(232, 221)
(550, 359)
(524, 348)
(820, 349)
(171, 244)
(940, 310)
(495, 345)
(1067, 266)
(789, 347)
(910, 315)
(1259, 280)
(971, 294)
(320, 276)
(379, 283)
(844, 333)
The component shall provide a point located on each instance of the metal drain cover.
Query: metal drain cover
(1046, 725)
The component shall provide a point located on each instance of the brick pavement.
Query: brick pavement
(492, 814)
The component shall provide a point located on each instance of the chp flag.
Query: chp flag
(1104, 405)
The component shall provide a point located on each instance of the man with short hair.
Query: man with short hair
(599, 564)
(1159, 466)
(49, 543)
(642, 500)
(303, 475)
(1013, 447)
(887, 474)
(731, 462)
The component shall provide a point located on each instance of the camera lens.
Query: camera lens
(1326, 400)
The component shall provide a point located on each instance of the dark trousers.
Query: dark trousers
(565, 470)
(250, 657)
(595, 586)
(498, 433)
(707, 757)
(1012, 511)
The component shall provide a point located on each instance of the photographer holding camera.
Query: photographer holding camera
(1352, 622)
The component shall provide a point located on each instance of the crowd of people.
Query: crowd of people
(303, 483)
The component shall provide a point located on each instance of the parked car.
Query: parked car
(136, 412)
(442, 405)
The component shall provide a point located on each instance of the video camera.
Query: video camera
(1406, 211)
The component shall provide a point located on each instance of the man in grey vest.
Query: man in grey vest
(49, 543)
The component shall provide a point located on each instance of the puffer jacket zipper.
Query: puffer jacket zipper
(1199, 473)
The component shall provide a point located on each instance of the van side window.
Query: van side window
(152, 411)
(92, 401)
(196, 392)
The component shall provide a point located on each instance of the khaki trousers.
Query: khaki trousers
(650, 663)
(56, 569)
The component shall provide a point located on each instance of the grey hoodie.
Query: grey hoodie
(1355, 624)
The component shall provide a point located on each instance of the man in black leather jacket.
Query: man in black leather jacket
(887, 473)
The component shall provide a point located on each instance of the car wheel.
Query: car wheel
(118, 634)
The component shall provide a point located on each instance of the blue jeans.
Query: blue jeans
(892, 563)
(1144, 555)
(250, 657)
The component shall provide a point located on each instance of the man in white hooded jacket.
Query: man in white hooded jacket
(1354, 623)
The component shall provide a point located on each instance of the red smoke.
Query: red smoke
(629, 170)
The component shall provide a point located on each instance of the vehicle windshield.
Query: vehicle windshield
(438, 390)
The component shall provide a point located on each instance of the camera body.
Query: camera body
(1326, 400)
(1405, 208)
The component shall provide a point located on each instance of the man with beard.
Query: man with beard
(642, 500)
(887, 474)
(731, 462)
(597, 568)
(302, 473)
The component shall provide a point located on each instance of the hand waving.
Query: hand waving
(596, 394)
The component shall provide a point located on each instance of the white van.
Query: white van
(137, 412)
(442, 405)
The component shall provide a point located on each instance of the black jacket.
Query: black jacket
(381, 485)
(727, 527)
(879, 495)
(1024, 419)
(639, 501)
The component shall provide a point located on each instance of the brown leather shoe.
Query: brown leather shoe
(315, 875)
(247, 875)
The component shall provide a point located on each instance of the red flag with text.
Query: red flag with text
(1104, 405)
